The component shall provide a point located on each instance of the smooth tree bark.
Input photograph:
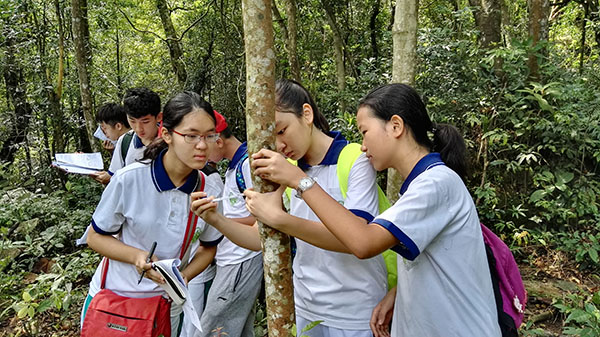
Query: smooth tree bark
(173, 42)
(404, 67)
(338, 48)
(82, 59)
(539, 14)
(260, 129)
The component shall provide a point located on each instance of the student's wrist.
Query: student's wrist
(296, 179)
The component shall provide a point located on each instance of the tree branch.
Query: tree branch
(197, 21)
(140, 30)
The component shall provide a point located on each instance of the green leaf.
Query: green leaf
(596, 298)
(312, 325)
(30, 312)
(537, 195)
(564, 177)
(577, 315)
(23, 312)
(45, 305)
(26, 297)
(593, 255)
(590, 308)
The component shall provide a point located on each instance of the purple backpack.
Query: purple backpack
(509, 290)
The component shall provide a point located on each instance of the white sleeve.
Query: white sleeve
(108, 217)
(234, 207)
(117, 162)
(361, 197)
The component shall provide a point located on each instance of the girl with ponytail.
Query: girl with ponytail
(148, 202)
(444, 285)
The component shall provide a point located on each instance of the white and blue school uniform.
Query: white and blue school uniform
(135, 152)
(142, 205)
(444, 284)
(338, 288)
(230, 303)
(234, 206)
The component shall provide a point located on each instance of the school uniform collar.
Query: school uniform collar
(137, 141)
(333, 153)
(238, 155)
(427, 162)
(163, 183)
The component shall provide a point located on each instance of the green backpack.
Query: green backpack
(346, 160)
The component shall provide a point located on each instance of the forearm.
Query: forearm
(202, 259)
(310, 231)
(362, 239)
(242, 235)
(109, 246)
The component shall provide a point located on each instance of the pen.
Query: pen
(225, 198)
(148, 259)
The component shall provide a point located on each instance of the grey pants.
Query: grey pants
(230, 305)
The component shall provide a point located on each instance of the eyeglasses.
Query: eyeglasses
(195, 139)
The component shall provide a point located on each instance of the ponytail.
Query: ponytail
(448, 141)
(154, 149)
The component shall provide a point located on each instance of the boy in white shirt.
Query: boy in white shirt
(144, 114)
(237, 283)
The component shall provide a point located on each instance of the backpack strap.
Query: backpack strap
(191, 223)
(288, 191)
(239, 173)
(104, 272)
(125, 144)
(346, 160)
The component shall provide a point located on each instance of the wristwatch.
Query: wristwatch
(303, 185)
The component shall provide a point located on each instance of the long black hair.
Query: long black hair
(173, 113)
(290, 96)
(402, 100)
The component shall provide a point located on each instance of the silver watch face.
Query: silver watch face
(305, 183)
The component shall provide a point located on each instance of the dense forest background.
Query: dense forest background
(520, 78)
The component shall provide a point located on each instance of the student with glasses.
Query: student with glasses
(149, 201)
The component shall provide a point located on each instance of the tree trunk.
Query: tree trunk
(260, 121)
(373, 31)
(54, 95)
(290, 35)
(539, 13)
(404, 34)
(488, 18)
(175, 50)
(118, 59)
(15, 92)
(338, 47)
(82, 58)
(584, 20)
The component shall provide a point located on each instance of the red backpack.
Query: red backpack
(509, 290)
